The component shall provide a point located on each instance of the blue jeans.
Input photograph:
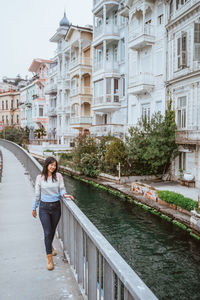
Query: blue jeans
(49, 214)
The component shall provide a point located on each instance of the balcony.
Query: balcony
(51, 89)
(105, 129)
(86, 90)
(109, 103)
(51, 112)
(141, 83)
(191, 137)
(108, 31)
(74, 92)
(109, 66)
(80, 122)
(141, 37)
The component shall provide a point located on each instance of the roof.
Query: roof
(37, 62)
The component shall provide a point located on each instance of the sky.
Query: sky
(26, 27)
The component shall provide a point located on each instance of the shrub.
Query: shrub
(177, 199)
(16, 135)
(115, 153)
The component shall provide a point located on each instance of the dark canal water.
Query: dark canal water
(164, 256)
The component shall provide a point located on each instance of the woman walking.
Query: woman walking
(49, 188)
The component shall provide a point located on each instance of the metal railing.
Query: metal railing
(99, 269)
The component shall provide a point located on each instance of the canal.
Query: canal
(165, 257)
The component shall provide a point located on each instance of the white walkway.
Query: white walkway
(23, 274)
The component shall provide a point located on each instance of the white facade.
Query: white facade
(147, 59)
(110, 69)
(183, 82)
(26, 97)
(70, 90)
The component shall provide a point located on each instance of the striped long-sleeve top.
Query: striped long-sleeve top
(48, 191)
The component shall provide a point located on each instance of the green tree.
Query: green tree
(85, 156)
(115, 154)
(151, 145)
(16, 135)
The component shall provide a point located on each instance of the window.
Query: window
(11, 104)
(158, 106)
(108, 89)
(181, 113)
(182, 51)
(7, 120)
(6, 104)
(160, 14)
(2, 105)
(180, 3)
(11, 120)
(107, 54)
(122, 86)
(116, 90)
(17, 119)
(197, 41)
(17, 103)
(122, 49)
(146, 114)
(115, 18)
(115, 53)
(3, 119)
(105, 119)
(98, 91)
(40, 111)
(182, 160)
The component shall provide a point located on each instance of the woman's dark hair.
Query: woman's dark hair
(47, 162)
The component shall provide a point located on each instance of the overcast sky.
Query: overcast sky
(26, 27)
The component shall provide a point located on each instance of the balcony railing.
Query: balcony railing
(51, 88)
(107, 29)
(188, 137)
(80, 120)
(141, 36)
(141, 83)
(105, 129)
(86, 90)
(108, 103)
(51, 111)
(74, 92)
(98, 66)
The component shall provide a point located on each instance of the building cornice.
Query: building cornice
(182, 77)
(185, 14)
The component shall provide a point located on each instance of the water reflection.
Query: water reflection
(164, 256)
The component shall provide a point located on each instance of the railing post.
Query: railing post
(108, 282)
(79, 253)
(92, 271)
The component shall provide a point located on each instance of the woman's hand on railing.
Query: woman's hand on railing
(68, 196)
(34, 213)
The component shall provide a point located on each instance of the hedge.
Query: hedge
(177, 199)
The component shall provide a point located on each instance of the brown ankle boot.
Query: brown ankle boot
(54, 253)
(50, 264)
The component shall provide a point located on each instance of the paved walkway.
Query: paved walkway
(23, 274)
(189, 192)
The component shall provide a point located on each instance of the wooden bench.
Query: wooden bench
(189, 183)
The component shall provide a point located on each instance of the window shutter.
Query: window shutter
(184, 50)
(179, 52)
(197, 41)
(197, 52)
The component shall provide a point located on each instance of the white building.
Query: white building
(110, 69)
(183, 81)
(33, 101)
(69, 86)
(147, 58)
